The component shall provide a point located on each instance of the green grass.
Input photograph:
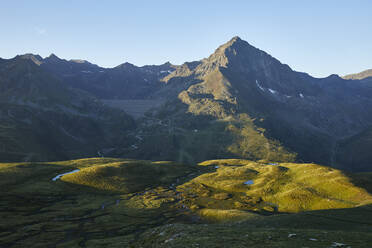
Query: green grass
(127, 176)
(251, 143)
(285, 187)
(119, 202)
(246, 235)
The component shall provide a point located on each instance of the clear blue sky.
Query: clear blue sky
(318, 37)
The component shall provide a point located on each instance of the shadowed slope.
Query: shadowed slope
(42, 119)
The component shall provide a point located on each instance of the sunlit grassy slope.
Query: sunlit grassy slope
(127, 176)
(109, 202)
(223, 194)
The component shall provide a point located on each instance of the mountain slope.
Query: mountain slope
(125, 81)
(42, 119)
(305, 115)
(360, 75)
(240, 102)
(354, 152)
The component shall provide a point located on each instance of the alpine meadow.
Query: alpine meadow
(233, 150)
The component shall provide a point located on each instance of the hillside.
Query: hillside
(240, 93)
(125, 81)
(354, 152)
(361, 75)
(42, 119)
(121, 202)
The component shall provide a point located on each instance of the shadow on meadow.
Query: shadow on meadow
(363, 180)
(115, 202)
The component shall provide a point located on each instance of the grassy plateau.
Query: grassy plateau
(217, 203)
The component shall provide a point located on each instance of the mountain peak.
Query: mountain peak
(126, 65)
(167, 63)
(37, 59)
(334, 76)
(235, 39)
(233, 50)
(233, 42)
(53, 57)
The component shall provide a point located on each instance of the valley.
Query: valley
(135, 108)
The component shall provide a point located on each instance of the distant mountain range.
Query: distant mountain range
(238, 102)
(43, 119)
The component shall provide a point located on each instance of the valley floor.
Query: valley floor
(107, 202)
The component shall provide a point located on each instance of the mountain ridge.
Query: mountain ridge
(359, 76)
(42, 119)
(238, 91)
(239, 78)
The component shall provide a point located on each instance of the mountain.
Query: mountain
(360, 75)
(125, 81)
(353, 153)
(240, 102)
(43, 119)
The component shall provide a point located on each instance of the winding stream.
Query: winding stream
(61, 175)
